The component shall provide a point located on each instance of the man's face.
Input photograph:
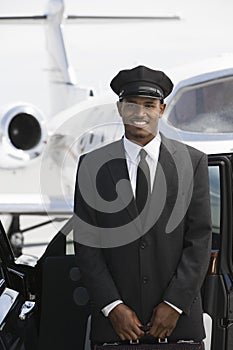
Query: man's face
(140, 116)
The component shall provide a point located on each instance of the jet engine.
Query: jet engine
(23, 135)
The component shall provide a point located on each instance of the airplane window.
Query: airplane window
(214, 178)
(205, 107)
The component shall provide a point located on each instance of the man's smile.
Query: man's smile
(139, 122)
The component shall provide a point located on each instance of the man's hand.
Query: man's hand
(163, 321)
(125, 323)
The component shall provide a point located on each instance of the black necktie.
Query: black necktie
(143, 186)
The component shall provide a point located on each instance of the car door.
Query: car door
(60, 318)
(15, 325)
(218, 285)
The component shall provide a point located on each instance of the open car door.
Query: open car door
(46, 306)
(17, 328)
(218, 285)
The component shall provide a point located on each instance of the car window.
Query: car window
(215, 201)
(69, 244)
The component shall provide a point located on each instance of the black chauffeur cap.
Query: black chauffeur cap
(142, 81)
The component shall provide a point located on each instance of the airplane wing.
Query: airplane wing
(22, 203)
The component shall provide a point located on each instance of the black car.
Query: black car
(47, 306)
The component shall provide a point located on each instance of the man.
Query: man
(143, 226)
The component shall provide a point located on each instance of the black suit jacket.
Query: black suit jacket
(166, 259)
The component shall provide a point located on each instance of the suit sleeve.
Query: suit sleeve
(90, 258)
(186, 283)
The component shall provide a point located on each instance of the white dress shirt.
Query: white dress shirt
(132, 158)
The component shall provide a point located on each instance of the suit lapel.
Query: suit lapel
(165, 185)
(166, 161)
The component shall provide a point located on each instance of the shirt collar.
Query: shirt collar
(132, 149)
